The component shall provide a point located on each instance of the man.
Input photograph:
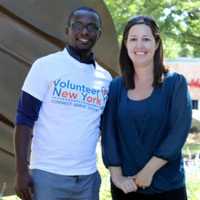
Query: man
(58, 113)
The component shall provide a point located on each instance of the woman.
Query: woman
(146, 120)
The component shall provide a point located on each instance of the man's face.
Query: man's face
(83, 31)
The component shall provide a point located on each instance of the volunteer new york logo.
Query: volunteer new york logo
(79, 95)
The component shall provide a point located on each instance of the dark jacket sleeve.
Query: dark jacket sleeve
(110, 151)
(27, 110)
(180, 118)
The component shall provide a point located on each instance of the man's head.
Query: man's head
(84, 29)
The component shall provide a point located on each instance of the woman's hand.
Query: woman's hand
(126, 184)
(144, 178)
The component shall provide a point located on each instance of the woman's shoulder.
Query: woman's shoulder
(174, 82)
(174, 77)
(117, 81)
(116, 85)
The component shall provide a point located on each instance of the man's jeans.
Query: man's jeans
(49, 186)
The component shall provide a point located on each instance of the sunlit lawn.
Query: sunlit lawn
(193, 178)
(193, 173)
(191, 148)
(193, 186)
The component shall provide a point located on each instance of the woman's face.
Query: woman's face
(141, 45)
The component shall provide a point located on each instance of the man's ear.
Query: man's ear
(67, 30)
(99, 34)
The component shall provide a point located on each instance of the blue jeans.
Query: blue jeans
(59, 187)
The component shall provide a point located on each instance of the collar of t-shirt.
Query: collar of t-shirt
(88, 60)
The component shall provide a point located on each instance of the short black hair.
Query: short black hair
(84, 8)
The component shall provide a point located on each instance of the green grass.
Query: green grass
(193, 179)
(191, 148)
(193, 186)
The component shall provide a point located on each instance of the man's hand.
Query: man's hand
(24, 186)
(126, 184)
(22, 141)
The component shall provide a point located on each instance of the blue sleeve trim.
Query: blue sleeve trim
(27, 110)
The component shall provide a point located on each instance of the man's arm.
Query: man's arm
(27, 113)
(22, 141)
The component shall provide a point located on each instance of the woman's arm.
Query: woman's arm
(109, 131)
(145, 176)
(110, 141)
(179, 123)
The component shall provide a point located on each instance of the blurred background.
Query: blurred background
(31, 28)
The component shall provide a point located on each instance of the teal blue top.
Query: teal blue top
(135, 131)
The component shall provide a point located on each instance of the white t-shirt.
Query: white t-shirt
(73, 96)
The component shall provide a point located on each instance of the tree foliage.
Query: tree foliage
(179, 22)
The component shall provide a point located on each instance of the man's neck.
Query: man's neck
(81, 56)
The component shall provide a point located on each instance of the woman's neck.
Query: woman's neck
(144, 74)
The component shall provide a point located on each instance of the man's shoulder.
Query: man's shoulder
(105, 72)
(50, 57)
